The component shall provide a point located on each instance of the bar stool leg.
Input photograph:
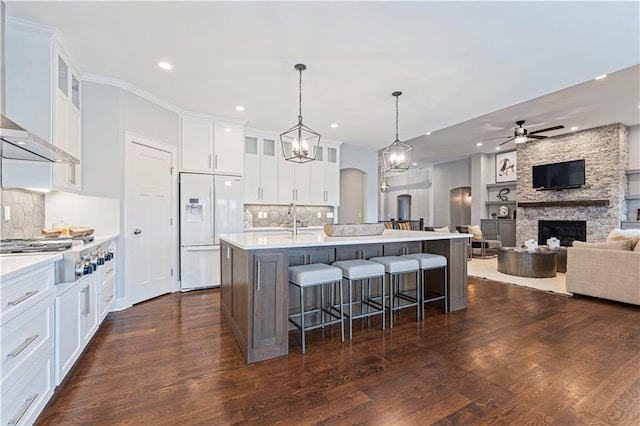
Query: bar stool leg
(383, 314)
(446, 295)
(302, 318)
(342, 311)
(350, 309)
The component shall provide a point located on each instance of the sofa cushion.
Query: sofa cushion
(610, 245)
(632, 235)
(443, 229)
(476, 231)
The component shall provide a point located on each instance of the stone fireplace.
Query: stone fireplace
(567, 231)
(600, 203)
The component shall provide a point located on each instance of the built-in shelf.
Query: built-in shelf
(576, 203)
(629, 172)
(499, 203)
(501, 184)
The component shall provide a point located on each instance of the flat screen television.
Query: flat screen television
(556, 176)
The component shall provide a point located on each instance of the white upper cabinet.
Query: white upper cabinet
(261, 168)
(294, 181)
(209, 146)
(325, 176)
(66, 120)
(43, 93)
(196, 144)
(228, 144)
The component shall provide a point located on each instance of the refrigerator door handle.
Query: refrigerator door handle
(211, 213)
(203, 248)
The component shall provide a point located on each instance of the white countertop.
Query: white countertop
(317, 238)
(11, 266)
(280, 228)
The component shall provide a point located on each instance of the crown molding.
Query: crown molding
(33, 26)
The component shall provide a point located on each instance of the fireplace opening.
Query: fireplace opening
(567, 231)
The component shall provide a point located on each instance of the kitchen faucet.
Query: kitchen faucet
(294, 222)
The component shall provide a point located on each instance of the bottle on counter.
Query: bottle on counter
(61, 227)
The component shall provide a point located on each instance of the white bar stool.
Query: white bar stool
(428, 262)
(361, 270)
(314, 275)
(396, 266)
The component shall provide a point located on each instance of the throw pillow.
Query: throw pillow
(476, 231)
(443, 229)
(632, 235)
(405, 226)
(610, 245)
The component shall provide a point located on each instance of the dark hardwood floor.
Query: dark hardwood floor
(515, 356)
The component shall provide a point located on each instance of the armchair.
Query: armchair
(479, 240)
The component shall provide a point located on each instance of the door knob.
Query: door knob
(137, 231)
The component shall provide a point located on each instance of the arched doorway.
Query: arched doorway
(403, 207)
(353, 184)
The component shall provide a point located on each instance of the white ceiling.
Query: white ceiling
(456, 62)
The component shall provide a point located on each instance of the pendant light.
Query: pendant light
(397, 156)
(384, 186)
(300, 144)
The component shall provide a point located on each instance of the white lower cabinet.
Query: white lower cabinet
(23, 403)
(26, 345)
(76, 321)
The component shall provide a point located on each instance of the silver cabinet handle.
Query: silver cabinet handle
(308, 259)
(228, 253)
(23, 298)
(209, 162)
(258, 193)
(25, 407)
(258, 277)
(215, 162)
(23, 346)
(84, 301)
(87, 298)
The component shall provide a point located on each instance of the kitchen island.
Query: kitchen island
(254, 276)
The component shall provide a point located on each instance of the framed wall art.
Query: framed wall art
(506, 167)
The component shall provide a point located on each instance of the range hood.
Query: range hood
(19, 144)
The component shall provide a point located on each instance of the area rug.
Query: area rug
(488, 268)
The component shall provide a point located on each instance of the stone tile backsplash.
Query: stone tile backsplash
(277, 215)
(27, 213)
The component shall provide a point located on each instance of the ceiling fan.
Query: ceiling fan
(520, 134)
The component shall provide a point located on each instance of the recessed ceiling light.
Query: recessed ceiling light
(479, 144)
(600, 77)
(415, 164)
(165, 65)
(497, 148)
(428, 133)
(574, 128)
(239, 108)
(334, 125)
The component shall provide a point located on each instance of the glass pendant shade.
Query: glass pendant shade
(520, 139)
(384, 186)
(300, 143)
(397, 156)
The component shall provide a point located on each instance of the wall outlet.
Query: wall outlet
(319, 215)
(329, 215)
(7, 213)
(260, 215)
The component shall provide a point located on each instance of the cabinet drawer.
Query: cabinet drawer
(20, 293)
(24, 340)
(107, 270)
(358, 252)
(22, 404)
(398, 249)
(107, 296)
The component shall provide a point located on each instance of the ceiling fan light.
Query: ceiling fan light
(520, 139)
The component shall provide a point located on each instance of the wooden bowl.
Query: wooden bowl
(80, 231)
(48, 233)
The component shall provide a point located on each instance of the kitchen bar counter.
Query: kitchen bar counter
(254, 291)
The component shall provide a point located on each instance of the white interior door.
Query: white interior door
(149, 224)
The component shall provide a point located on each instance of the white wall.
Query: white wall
(352, 208)
(447, 176)
(414, 182)
(355, 157)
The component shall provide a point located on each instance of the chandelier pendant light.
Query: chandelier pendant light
(384, 185)
(300, 143)
(397, 156)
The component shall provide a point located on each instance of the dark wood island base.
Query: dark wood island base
(254, 287)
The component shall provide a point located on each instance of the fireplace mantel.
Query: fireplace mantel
(576, 203)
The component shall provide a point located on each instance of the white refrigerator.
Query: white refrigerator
(209, 205)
